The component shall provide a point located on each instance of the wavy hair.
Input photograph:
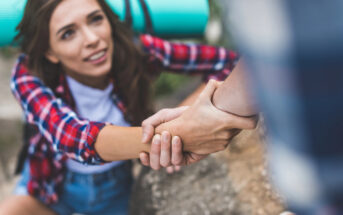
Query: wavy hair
(129, 70)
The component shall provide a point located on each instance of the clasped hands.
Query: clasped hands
(185, 135)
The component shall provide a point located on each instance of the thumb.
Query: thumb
(208, 91)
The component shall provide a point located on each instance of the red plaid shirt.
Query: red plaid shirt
(60, 133)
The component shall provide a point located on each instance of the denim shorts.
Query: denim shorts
(104, 193)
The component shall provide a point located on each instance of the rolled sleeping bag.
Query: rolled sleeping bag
(165, 18)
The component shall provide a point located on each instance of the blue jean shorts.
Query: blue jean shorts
(104, 193)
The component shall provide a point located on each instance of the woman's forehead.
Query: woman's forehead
(71, 11)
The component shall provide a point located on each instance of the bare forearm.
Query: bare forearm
(120, 143)
(233, 95)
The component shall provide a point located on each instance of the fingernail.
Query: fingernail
(157, 139)
(144, 138)
(175, 140)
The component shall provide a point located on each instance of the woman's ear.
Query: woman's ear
(52, 57)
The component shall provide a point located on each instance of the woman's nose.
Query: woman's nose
(91, 39)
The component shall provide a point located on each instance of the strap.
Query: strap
(128, 14)
(148, 21)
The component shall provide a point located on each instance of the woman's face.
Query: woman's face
(81, 40)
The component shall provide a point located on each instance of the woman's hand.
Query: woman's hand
(166, 151)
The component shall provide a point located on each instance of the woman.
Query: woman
(81, 83)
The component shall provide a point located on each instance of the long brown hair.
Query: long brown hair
(129, 71)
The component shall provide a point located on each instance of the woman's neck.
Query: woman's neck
(94, 82)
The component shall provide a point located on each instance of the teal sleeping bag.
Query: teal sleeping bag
(168, 18)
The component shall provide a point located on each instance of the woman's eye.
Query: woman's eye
(97, 18)
(67, 34)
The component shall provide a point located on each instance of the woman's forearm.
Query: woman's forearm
(233, 95)
(120, 143)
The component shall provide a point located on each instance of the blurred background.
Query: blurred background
(236, 179)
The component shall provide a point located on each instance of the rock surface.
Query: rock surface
(230, 182)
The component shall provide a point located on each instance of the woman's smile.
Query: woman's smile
(98, 57)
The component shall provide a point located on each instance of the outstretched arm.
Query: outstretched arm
(232, 96)
(86, 141)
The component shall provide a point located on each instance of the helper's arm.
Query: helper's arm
(233, 95)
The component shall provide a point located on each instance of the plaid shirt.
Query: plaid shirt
(59, 133)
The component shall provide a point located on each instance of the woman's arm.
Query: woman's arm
(209, 61)
(69, 134)
(120, 143)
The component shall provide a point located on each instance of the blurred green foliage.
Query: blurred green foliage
(168, 82)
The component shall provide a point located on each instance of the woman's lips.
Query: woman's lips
(97, 58)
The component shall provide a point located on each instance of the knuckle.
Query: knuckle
(164, 111)
(166, 145)
(155, 151)
(177, 161)
(145, 123)
(165, 163)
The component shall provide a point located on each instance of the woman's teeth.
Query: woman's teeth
(97, 56)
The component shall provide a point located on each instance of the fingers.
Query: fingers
(160, 117)
(177, 168)
(172, 169)
(165, 149)
(149, 124)
(177, 155)
(155, 152)
(147, 132)
(144, 157)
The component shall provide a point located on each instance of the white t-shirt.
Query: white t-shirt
(95, 105)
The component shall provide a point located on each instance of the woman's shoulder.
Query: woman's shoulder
(22, 59)
(20, 66)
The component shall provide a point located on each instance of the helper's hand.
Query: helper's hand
(167, 152)
(162, 116)
(203, 128)
(148, 127)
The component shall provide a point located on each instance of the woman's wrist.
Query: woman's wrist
(120, 143)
